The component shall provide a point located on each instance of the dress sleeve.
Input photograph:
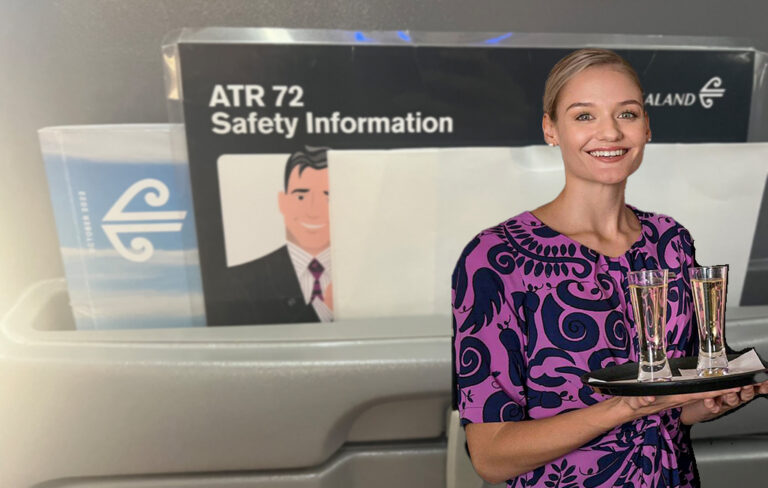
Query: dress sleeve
(488, 341)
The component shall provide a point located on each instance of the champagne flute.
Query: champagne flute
(648, 292)
(708, 284)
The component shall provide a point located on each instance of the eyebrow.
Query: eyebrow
(587, 104)
(300, 190)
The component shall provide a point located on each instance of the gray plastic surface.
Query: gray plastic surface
(138, 402)
(103, 406)
(738, 461)
(459, 472)
(415, 465)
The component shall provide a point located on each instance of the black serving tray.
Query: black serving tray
(628, 371)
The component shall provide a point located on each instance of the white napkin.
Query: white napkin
(743, 364)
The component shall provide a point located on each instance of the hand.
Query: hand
(328, 296)
(710, 408)
(636, 407)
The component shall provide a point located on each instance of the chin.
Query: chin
(612, 176)
(613, 180)
(313, 242)
(604, 179)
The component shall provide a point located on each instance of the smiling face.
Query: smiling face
(304, 206)
(601, 125)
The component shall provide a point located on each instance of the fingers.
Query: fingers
(731, 399)
(729, 390)
(640, 402)
(715, 402)
(648, 400)
(695, 397)
(747, 394)
(712, 405)
(712, 394)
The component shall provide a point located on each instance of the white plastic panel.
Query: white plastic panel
(416, 209)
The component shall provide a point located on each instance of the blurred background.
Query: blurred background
(125, 406)
(97, 62)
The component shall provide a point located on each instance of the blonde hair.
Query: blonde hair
(576, 62)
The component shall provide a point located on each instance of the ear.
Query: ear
(281, 201)
(647, 128)
(550, 130)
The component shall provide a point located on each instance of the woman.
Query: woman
(543, 298)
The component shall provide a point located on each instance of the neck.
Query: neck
(312, 251)
(592, 207)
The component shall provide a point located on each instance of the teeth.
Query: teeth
(608, 154)
(311, 226)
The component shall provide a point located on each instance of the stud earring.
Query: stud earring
(649, 139)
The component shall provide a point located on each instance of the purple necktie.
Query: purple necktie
(317, 270)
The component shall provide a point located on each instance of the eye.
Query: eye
(584, 116)
(301, 197)
(628, 115)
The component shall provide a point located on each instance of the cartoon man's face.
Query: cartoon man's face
(304, 206)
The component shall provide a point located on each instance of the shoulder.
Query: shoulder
(276, 259)
(486, 258)
(662, 223)
(491, 240)
(666, 234)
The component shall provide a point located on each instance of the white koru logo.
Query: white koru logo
(710, 90)
(157, 196)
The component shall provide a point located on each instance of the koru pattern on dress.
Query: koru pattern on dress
(533, 310)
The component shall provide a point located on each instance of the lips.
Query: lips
(608, 154)
(312, 226)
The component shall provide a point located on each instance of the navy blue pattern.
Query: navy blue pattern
(534, 310)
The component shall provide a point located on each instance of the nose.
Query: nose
(609, 129)
(314, 205)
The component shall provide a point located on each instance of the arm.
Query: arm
(503, 450)
(490, 349)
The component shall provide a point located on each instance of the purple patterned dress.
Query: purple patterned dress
(534, 310)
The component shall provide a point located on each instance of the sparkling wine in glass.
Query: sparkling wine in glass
(648, 292)
(708, 284)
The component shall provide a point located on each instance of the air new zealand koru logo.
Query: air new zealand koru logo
(117, 221)
(711, 89)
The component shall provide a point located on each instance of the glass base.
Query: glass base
(710, 372)
(652, 372)
(712, 364)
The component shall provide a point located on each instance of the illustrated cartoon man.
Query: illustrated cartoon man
(304, 205)
(292, 283)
